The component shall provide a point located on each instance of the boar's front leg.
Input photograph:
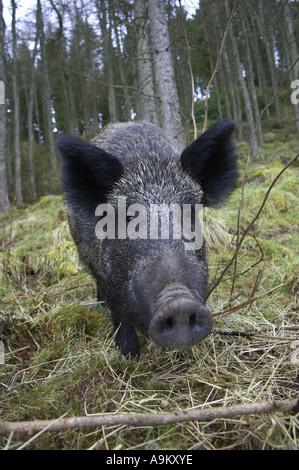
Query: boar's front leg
(126, 339)
(101, 292)
(125, 335)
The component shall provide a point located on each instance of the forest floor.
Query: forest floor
(60, 356)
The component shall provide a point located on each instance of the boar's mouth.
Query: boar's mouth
(179, 319)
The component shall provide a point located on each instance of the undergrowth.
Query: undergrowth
(60, 356)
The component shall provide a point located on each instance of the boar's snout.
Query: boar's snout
(180, 322)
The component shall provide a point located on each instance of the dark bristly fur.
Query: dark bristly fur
(205, 161)
(138, 161)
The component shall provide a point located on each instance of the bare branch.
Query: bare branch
(253, 334)
(246, 230)
(246, 302)
(238, 245)
(150, 419)
(61, 291)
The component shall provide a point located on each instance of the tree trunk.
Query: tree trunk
(40, 139)
(4, 202)
(30, 107)
(250, 78)
(72, 121)
(222, 67)
(293, 53)
(232, 92)
(46, 87)
(291, 39)
(107, 49)
(255, 46)
(268, 39)
(127, 100)
(16, 110)
(30, 126)
(212, 66)
(242, 83)
(146, 97)
(165, 79)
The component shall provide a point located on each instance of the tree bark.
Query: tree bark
(4, 202)
(212, 67)
(30, 130)
(146, 97)
(150, 419)
(46, 88)
(223, 64)
(30, 106)
(255, 46)
(268, 39)
(16, 110)
(107, 49)
(72, 121)
(164, 70)
(250, 79)
(293, 53)
(242, 83)
(232, 91)
(122, 73)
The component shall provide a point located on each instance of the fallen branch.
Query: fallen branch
(149, 419)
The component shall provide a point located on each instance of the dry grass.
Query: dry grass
(60, 356)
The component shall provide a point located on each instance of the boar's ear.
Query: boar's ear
(212, 161)
(87, 171)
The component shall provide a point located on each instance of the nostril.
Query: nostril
(168, 324)
(193, 320)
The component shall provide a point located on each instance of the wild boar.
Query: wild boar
(150, 280)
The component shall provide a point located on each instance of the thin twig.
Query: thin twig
(150, 419)
(254, 334)
(235, 275)
(205, 123)
(61, 291)
(246, 230)
(246, 302)
(244, 181)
